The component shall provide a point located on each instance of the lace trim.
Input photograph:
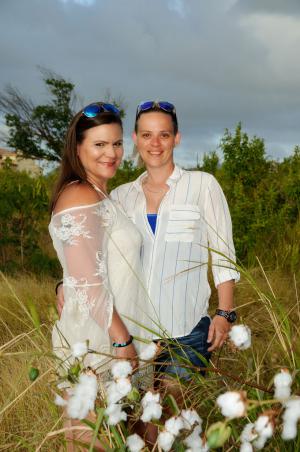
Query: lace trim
(103, 211)
(86, 303)
(81, 298)
(70, 229)
(100, 264)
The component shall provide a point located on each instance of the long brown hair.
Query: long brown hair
(71, 168)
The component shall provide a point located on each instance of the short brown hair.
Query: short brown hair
(155, 108)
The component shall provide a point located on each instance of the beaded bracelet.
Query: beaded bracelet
(123, 344)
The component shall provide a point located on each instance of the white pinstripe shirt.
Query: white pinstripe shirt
(193, 216)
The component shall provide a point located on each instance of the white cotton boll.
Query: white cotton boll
(112, 393)
(260, 442)
(88, 384)
(263, 426)
(59, 401)
(232, 404)
(149, 351)
(124, 386)
(76, 408)
(199, 448)
(290, 417)
(282, 392)
(150, 397)
(289, 431)
(165, 440)
(190, 417)
(151, 411)
(135, 443)
(115, 414)
(246, 447)
(83, 398)
(248, 434)
(292, 409)
(174, 425)
(151, 408)
(240, 335)
(79, 349)
(121, 369)
(193, 440)
(282, 382)
(116, 390)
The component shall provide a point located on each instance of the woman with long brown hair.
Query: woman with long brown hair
(97, 245)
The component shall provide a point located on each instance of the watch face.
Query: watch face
(232, 316)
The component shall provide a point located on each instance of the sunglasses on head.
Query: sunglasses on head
(92, 110)
(151, 104)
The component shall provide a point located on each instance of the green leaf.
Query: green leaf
(218, 434)
(134, 395)
(33, 373)
(100, 412)
(34, 314)
(171, 402)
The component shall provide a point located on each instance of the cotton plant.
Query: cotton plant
(123, 400)
(82, 386)
(291, 417)
(187, 421)
(149, 351)
(152, 408)
(116, 390)
(172, 428)
(233, 404)
(83, 397)
(121, 385)
(135, 443)
(282, 383)
(79, 349)
(240, 335)
(115, 414)
(264, 426)
(195, 443)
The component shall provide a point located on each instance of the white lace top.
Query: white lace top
(99, 250)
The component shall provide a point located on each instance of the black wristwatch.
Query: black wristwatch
(230, 316)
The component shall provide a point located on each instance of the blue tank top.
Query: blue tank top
(152, 217)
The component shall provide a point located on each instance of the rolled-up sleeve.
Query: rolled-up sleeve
(219, 231)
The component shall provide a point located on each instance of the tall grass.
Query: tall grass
(267, 302)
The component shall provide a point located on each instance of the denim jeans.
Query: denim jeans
(185, 347)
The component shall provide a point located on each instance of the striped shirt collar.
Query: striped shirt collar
(174, 177)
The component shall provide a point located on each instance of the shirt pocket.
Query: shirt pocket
(183, 223)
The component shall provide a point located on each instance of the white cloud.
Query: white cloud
(279, 35)
(178, 6)
(80, 2)
(217, 63)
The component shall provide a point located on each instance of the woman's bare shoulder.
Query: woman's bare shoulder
(75, 195)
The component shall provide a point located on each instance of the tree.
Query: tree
(39, 131)
(244, 159)
(210, 163)
(23, 216)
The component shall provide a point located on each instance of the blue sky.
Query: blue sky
(220, 62)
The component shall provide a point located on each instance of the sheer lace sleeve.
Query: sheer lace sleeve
(80, 236)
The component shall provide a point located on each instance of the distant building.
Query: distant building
(19, 162)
